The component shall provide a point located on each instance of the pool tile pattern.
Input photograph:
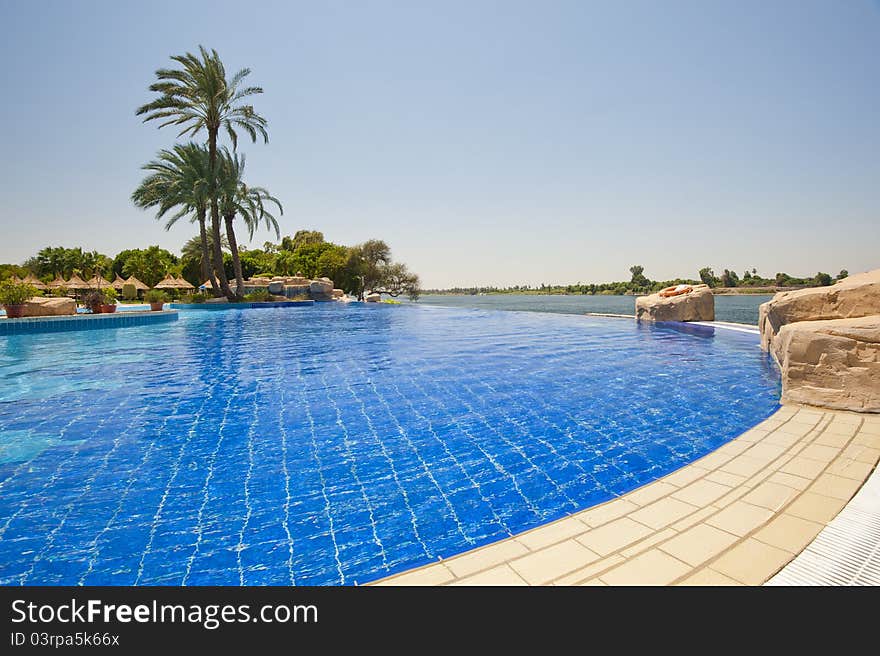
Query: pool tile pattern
(32, 325)
(734, 531)
(341, 444)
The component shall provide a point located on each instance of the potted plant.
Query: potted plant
(156, 298)
(94, 299)
(13, 296)
(109, 304)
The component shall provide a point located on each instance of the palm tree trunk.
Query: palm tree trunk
(215, 216)
(207, 269)
(236, 260)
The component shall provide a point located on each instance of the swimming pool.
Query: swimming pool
(340, 444)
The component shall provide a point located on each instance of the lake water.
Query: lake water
(738, 309)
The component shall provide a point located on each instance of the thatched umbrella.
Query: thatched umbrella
(184, 284)
(140, 286)
(15, 279)
(99, 282)
(169, 282)
(76, 282)
(33, 281)
(58, 283)
(118, 282)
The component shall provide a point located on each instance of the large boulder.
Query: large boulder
(321, 286)
(373, 298)
(49, 306)
(832, 363)
(856, 296)
(293, 291)
(696, 305)
(276, 287)
(337, 293)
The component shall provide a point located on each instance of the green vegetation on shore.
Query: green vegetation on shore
(729, 282)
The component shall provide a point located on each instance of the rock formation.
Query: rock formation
(831, 363)
(856, 296)
(49, 306)
(696, 305)
(373, 298)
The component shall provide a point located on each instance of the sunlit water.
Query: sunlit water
(338, 444)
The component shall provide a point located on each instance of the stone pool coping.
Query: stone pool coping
(734, 517)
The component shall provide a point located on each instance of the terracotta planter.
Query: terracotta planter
(156, 307)
(14, 311)
(108, 309)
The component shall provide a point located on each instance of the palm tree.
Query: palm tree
(194, 251)
(236, 197)
(200, 97)
(180, 179)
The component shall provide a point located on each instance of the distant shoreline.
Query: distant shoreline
(717, 291)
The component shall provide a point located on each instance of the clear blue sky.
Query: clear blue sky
(487, 142)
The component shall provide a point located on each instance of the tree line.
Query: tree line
(640, 284)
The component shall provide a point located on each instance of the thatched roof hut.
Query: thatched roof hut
(58, 283)
(140, 286)
(76, 282)
(33, 281)
(169, 282)
(184, 284)
(98, 282)
(118, 282)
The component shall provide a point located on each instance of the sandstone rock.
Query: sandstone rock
(292, 291)
(219, 299)
(832, 363)
(337, 293)
(49, 307)
(373, 298)
(321, 286)
(697, 305)
(296, 280)
(856, 296)
(276, 287)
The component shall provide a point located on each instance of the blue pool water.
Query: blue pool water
(337, 444)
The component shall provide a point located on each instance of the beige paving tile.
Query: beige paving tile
(820, 452)
(701, 493)
(648, 542)
(606, 512)
(744, 466)
(486, 557)
(790, 480)
(734, 448)
(552, 533)
(765, 451)
(593, 582)
(867, 439)
(789, 533)
(501, 575)
(754, 435)
(771, 495)
(649, 493)
(614, 536)
(663, 512)
(740, 518)
(694, 518)
(815, 507)
(698, 544)
(590, 570)
(734, 495)
(714, 460)
(685, 475)
(751, 562)
(861, 453)
(786, 440)
(838, 487)
(805, 467)
(707, 576)
(435, 574)
(835, 440)
(870, 428)
(853, 418)
(542, 566)
(730, 480)
(850, 469)
(653, 567)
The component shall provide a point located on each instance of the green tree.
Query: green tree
(708, 276)
(638, 279)
(180, 180)
(302, 238)
(843, 274)
(149, 265)
(198, 97)
(822, 279)
(729, 278)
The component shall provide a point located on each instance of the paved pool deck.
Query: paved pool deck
(735, 517)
